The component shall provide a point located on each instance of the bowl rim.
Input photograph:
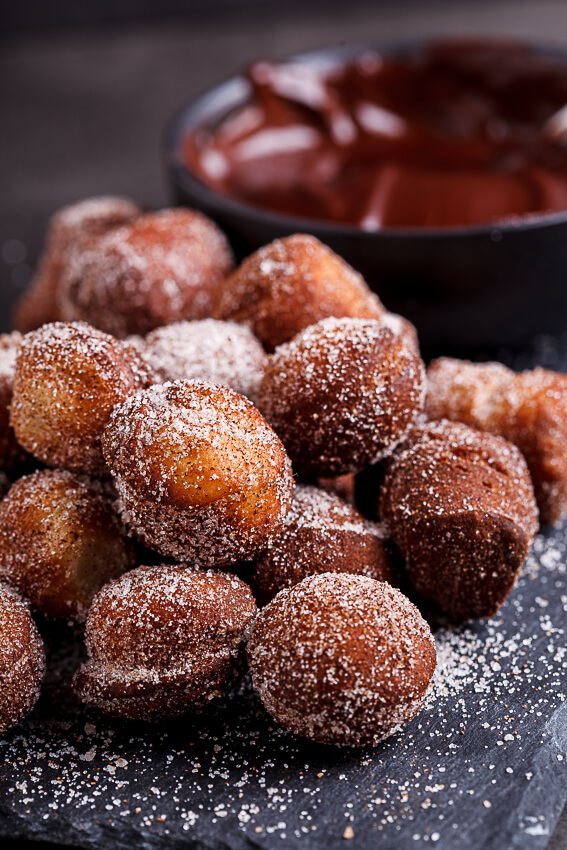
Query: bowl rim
(235, 88)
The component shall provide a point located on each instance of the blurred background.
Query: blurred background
(87, 86)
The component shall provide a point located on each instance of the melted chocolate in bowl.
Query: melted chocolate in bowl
(428, 167)
(450, 136)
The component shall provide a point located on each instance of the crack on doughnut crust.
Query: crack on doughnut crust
(164, 640)
(290, 284)
(22, 660)
(321, 533)
(68, 377)
(341, 659)
(459, 505)
(200, 473)
(343, 393)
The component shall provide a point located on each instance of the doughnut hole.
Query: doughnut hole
(341, 659)
(22, 660)
(460, 507)
(61, 541)
(201, 475)
(164, 640)
(290, 284)
(223, 353)
(72, 230)
(162, 267)
(321, 534)
(342, 394)
(68, 377)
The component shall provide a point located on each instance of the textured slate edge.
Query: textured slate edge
(537, 797)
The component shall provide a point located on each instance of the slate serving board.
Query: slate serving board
(482, 766)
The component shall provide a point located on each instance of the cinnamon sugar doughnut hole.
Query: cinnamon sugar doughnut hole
(201, 475)
(164, 641)
(223, 353)
(343, 393)
(460, 506)
(528, 408)
(11, 453)
(290, 284)
(22, 660)
(72, 230)
(160, 268)
(60, 540)
(68, 378)
(321, 534)
(341, 659)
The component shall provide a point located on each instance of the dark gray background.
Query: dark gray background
(83, 104)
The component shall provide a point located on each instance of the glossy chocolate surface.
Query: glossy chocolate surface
(452, 135)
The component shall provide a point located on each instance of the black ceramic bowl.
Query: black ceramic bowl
(466, 289)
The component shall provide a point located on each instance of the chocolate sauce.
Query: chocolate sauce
(452, 135)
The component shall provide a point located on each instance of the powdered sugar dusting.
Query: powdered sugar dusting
(500, 688)
(220, 352)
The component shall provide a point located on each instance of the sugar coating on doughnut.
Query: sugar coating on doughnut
(290, 284)
(201, 475)
(60, 540)
(9, 347)
(164, 640)
(460, 390)
(160, 268)
(459, 505)
(321, 534)
(68, 378)
(220, 352)
(71, 230)
(11, 452)
(94, 215)
(22, 660)
(341, 659)
(528, 408)
(343, 393)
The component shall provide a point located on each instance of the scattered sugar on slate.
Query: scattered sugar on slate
(487, 739)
